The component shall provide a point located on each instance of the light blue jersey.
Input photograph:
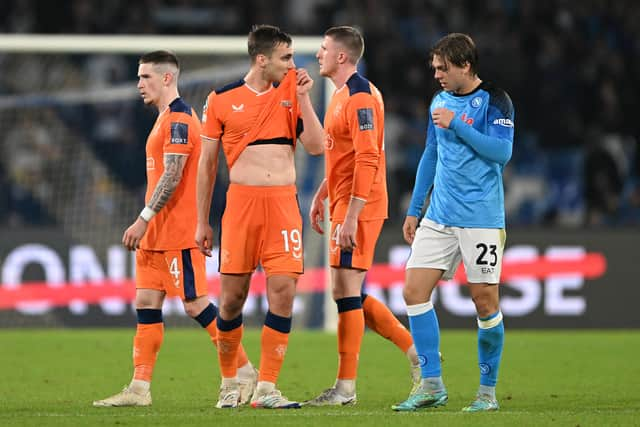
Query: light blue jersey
(464, 163)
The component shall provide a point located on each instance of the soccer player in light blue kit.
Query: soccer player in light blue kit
(469, 140)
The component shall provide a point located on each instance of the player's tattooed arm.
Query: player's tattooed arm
(168, 182)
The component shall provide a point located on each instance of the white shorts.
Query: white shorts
(442, 247)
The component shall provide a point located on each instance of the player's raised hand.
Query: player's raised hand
(132, 235)
(316, 214)
(204, 238)
(304, 82)
(442, 117)
(409, 228)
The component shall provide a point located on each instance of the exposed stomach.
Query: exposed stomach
(264, 165)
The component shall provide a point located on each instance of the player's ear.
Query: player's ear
(168, 78)
(261, 59)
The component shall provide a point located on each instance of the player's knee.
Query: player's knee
(231, 307)
(281, 302)
(147, 299)
(485, 305)
(337, 294)
(413, 296)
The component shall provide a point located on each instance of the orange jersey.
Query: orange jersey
(176, 131)
(354, 149)
(236, 110)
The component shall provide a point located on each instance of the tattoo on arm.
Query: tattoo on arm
(168, 182)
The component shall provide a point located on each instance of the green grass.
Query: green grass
(562, 378)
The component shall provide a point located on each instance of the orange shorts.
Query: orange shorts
(261, 225)
(180, 273)
(366, 237)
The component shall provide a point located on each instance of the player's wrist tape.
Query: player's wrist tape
(147, 213)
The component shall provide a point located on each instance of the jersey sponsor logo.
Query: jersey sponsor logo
(467, 120)
(439, 104)
(508, 123)
(179, 133)
(476, 102)
(365, 118)
(237, 108)
(286, 103)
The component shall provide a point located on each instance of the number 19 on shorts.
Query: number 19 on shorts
(292, 240)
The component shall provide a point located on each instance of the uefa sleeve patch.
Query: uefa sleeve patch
(365, 118)
(179, 133)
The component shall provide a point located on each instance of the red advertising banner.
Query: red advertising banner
(549, 279)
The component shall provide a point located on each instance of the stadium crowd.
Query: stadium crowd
(572, 69)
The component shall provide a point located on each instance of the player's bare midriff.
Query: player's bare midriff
(264, 165)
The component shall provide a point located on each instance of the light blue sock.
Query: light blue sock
(426, 337)
(490, 343)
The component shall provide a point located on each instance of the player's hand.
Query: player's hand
(409, 228)
(132, 235)
(442, 117)
(316, 214)
(304, 82)
(204, 238)
(347, 235)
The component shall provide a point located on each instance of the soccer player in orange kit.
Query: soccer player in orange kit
(167, 260)
(355, 184)
(257, 121)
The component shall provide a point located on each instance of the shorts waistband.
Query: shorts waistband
(262, 190)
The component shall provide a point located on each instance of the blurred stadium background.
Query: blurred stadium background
(74, 129)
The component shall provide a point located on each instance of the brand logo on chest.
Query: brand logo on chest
(467, 120)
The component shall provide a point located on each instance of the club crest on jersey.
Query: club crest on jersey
(179, 133)
(365, 118)
(476, 102)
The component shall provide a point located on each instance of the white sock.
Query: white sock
(346, 387)
(230, 382)
(246, 370)
(264, 387)
(487, 391)
(139, 386)
(432, 384)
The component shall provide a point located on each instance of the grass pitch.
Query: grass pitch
(563, 378)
